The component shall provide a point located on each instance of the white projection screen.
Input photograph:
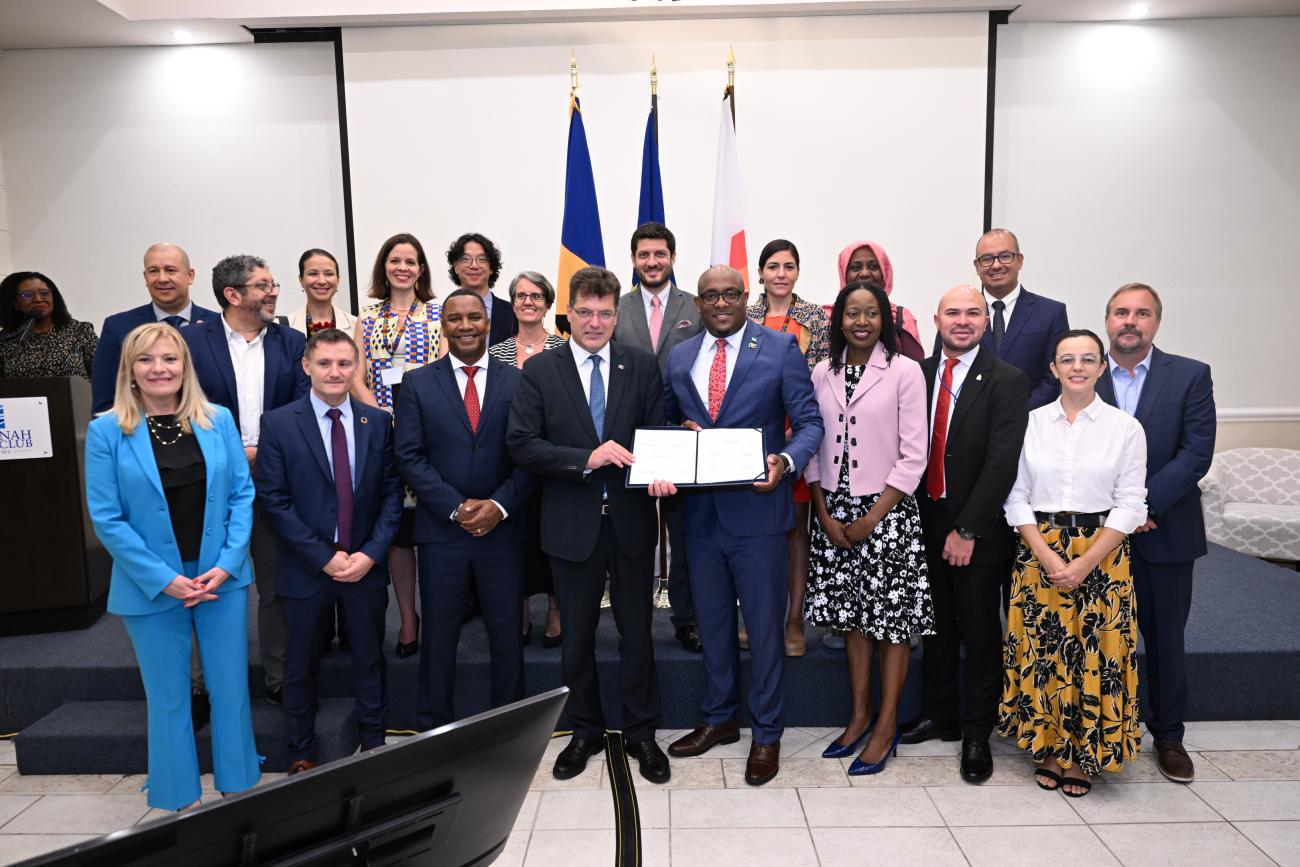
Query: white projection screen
(849, 127)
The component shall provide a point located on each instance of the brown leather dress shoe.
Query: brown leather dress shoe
(300, 765)
(1174, 762)
(764, 761)
(703, 739)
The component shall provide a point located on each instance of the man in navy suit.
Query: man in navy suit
(1173, 398)
(1022, 326)
(739, 374)
(249, 364)
(451, 447)
(327, 481)
(571, 424)
(167, 276)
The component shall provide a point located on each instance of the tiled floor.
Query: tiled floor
(1243, 809)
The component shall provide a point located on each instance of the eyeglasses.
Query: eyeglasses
(731, 296)
(584, 313)
(473, 260)
(1006, 257)
(536, 297)
(261, 286)
(29, 294)
(1087, 360)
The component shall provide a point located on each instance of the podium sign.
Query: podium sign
(24, 428)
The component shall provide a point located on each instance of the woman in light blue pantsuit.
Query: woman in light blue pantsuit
(171, 498)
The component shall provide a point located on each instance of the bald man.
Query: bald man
(979, 409)
(167, 276)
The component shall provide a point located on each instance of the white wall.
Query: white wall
(1168, 153)
(221, 149)
(5, 256)
(849, 127)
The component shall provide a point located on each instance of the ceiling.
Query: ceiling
(83, 23)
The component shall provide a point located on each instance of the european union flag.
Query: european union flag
(650, 209)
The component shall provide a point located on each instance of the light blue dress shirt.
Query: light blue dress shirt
(1128, 386)
(326, 425)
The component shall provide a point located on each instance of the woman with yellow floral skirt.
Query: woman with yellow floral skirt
(1070, 672)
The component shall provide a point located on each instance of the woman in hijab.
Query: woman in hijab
(867, 260)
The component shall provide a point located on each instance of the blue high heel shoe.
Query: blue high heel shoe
(860, 768)
(838, 751)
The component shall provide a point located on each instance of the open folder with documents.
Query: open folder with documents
(687, 458)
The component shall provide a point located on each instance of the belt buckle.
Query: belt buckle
(604, 508)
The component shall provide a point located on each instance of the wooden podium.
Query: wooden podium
(53, 570)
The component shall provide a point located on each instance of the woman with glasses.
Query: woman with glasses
(531, 297)
(779, 308)
(37, 335)
(401, 331)
(318, 274)
(474, 263)
(1070, 671)
(867, 260)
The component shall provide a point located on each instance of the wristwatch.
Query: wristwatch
(967, 535)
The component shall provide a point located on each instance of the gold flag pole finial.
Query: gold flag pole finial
(731, 67)
(654, 76)
(573, 72)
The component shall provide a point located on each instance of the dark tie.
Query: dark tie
(342, 478)
(174, 321)
(999, 325)
(934, 481)
(471, 396)
(596, 397)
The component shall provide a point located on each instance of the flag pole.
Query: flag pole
(731, 81)
(573, 72)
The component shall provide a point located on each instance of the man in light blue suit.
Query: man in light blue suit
(737, 374)
(167, 276)
(328, 485)
(1173, 398)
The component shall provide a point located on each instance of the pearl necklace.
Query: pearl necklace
(160, 429)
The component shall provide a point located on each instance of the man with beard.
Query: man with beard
(1173, 398)
(249, 364)
(656, 317)
(978, 415)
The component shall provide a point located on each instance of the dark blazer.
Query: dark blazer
(1030, 342)
(681, 322)
(982, 452)
(444, 462)
(295, 488)
(285, 381)
(769, 383)
(1177, 414)
(103, 381)
(504, 324)
(551, 436)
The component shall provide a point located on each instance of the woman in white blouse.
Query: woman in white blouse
(318, 274)
(1070, 671)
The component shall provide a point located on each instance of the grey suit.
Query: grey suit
(681, 322)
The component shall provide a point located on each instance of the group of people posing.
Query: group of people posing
(1022, 464)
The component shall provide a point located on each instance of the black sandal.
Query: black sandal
(1082, 782)
(1047, 775)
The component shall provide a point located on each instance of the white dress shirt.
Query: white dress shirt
(581, 357)
(480, 383)
(959, 371)
(1099, 463)
(662, 294)
(186, 315)
(248, 357)
(1010, 301)
(704, 361)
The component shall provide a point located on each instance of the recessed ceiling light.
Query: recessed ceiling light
(183, 36)
(1139, 10)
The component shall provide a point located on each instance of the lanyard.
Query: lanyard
(391, 345)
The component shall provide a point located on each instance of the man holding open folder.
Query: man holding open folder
(737, 374)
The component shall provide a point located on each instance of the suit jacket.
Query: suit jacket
(986, 432)
(1177, 414)
(128, 508)
(681, 322)
(343, 320)
(769, 383)
(285, 379)
(445, 462)
(885, 425)
(295, 487)
(103, 381)
(1030, 342)
(504, 324)
(551, 435)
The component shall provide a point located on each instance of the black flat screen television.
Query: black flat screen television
(445, 797)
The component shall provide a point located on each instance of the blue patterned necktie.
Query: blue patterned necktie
(174, 321)
(596, 398)
(999, 325)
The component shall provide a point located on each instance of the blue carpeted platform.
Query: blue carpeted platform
(1243, 645)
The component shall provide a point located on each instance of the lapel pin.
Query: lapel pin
(753, 344)
(365, 420)
(978, 377)
(620, 367)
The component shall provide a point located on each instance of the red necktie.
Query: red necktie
(718, 379)
(934, 484)
(471, 396)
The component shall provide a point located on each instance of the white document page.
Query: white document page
(730, 456)
(663, 455)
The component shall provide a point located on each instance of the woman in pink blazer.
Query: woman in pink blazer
(868, 576)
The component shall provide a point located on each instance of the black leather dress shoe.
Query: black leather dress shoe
(200, 707)
(976, 760)
(572, 760)
(654, 764)
(689, 637)
(922, 730)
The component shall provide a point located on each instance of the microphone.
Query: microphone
(23, 330)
